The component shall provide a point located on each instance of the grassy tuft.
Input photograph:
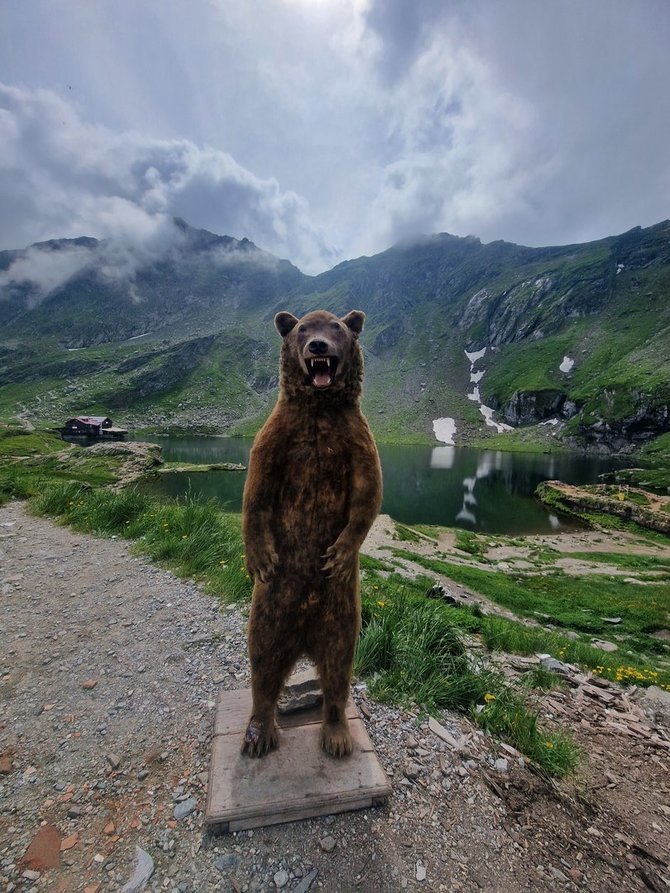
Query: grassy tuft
(193, 538)
(411, 650)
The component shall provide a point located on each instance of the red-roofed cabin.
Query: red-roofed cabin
(92, 426)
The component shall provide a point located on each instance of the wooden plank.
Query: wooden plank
(296, 781)
(234, 709)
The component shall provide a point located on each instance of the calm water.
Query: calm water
(480, 490)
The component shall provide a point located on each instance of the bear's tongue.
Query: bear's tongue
(320, 371)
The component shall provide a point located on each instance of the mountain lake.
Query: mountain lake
(480, 490)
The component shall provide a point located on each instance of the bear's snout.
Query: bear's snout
(319, 348)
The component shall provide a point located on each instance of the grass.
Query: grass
(576, 604)
(618, 559)
(406, 534)
(469, 542)
(193, 538)
(571, 602)
(30, 461)
(368, 563)
(411, 650)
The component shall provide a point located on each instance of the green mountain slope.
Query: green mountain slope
(186, 338)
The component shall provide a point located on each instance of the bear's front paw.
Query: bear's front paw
(263, 565)
(336, 739)
(259, 738)
(340, 560)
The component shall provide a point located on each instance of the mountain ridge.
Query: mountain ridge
(603, 305)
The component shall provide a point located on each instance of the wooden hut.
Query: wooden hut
(92, 426)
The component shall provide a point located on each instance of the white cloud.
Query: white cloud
(45, 270)
(352, 123)
(65, 177)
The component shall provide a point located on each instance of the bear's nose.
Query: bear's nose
(317, 347)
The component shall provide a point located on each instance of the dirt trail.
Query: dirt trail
(109, 669)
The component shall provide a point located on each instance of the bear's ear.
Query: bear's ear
(285, 323)
(354, 321)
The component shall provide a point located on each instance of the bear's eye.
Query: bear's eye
(302, 328)
(335, 325)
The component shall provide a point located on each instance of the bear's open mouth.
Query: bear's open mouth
(321, 370)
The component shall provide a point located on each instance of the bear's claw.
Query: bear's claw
(263, 566)
(258, 740)
(339, 561)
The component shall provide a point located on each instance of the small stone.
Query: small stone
(114, 760)
(30, 875)
(143, 871)
(44, 849)
(412, 770)
(301, 692)
(68, 842)
(500, 765)
(151, 755)
(281, 879)
(327, 843)
(603, 645)
(142, 774)
(554, 666)
(109, 828)
(89, 684)
(420, 872)
(226, 862)
(185, 808)
(5, 764)
(75, 812)
(656, 703)
(306, 882)
(442, 733)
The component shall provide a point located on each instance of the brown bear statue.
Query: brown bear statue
(312, 492)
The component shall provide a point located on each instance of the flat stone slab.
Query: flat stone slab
(296, 781)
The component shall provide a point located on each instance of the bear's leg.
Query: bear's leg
(272, 653)
(334, 659)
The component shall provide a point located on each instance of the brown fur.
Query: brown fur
(312, 492)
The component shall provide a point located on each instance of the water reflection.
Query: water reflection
(443, 457)
(484, 490)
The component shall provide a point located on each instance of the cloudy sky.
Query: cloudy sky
(327, 129)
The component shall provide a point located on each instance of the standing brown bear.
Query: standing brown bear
(312, 492)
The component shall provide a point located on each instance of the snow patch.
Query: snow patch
(444, 430)
(487, 412)
(619, 268)
(475, 395)
(567, 364)
(143, 335)
(475, 355)
(550, 422)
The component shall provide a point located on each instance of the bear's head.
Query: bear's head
(321, 354)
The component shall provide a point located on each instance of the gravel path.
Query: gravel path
(109, 668)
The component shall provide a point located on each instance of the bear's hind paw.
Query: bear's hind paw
(258, 739)
(336, 739)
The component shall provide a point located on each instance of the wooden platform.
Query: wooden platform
(296, 781)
